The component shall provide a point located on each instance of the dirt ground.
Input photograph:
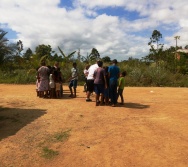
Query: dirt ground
(150, 130)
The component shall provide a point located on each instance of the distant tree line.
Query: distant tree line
(161, 67)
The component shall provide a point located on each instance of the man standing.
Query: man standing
(90, 80)
(114, 72)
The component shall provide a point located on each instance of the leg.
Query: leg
(70, 88)
(90, 88)
(88, 95)
(121, 95)
(71, 93)
(118, 94)
(75, 86)
(41, 94)
(85, 89)
(61, 89)
(102, 99)
(97, 99)
(74, 92)
(113, 92)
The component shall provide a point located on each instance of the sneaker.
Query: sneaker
(88, 100)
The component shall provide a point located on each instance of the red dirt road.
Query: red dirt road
(150, 130)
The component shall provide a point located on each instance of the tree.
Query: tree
(95, 53)
(19, 49)
(88, 59)
(5, 49)
(155, 38)
(66, 58)
(106, 59)
(27, 55)
(155, 53)
(43, 50)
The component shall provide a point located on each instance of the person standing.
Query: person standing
(114, 72)
(121, 85)
(99, 83)
(57, 69)
(52, 83)
(85, 75)
(43, 85)
(90, 81)
(73, 80)
(106, 91)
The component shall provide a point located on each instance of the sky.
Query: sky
(116, 28)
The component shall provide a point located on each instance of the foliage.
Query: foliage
(155, 52)
(5, 49)
(67, 58)
(49, 153)
(43, 50)
(159, 68)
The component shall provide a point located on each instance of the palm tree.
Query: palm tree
(4, 48)
(88, 59)
(66, 58)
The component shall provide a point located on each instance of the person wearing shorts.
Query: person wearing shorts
(99, 83)
(90, 81)
(73, 80)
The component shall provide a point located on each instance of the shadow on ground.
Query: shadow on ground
(14, 119)
(135, 105)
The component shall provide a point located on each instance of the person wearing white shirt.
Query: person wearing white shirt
(90, 81)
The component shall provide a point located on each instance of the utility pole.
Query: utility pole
(175, 60)
(176, 38)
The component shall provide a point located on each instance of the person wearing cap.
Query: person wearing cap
(114, 72)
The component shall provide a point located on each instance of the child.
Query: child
(52, 83)
(73, 80)
(57, 83)
(121, 85)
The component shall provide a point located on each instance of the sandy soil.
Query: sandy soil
(150, 130)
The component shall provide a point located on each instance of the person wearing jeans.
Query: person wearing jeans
(114, 72)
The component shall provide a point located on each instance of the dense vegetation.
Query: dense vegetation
(159, 68)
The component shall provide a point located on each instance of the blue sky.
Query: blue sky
(117, 28)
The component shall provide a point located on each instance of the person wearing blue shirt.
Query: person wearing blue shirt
(114, 72)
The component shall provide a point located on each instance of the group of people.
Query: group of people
(107, 82)
(49, 81)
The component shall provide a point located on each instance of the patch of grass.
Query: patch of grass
(49, 153)
(62, 136)
(50, 141)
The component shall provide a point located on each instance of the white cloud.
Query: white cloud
(80, 26)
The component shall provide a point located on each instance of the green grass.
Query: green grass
(49, 153)
(58, 137)
(62, 136)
